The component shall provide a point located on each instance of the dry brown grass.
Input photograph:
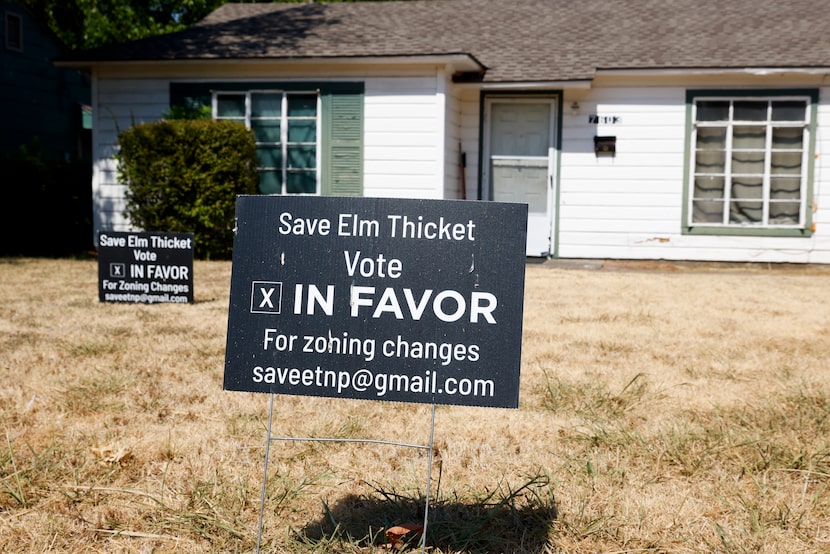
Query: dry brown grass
(665, 411)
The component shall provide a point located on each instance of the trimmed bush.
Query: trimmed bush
(183, 176)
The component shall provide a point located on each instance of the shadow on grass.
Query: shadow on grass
(502, 520)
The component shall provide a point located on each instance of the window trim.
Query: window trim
(341, 120)
(805, 230)
(13, 19)
(284, 142)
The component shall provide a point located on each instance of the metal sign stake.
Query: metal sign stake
(265, 472)
(388, 299)
(270, 438)
(429, 480)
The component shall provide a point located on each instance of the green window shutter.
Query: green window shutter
(342, 156)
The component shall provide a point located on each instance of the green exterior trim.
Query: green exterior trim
(481, 130)
(687, 175)
(341, 149)
(342, 144)
(746, 232)
(806, 231)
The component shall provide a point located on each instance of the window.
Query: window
(286, 128)
(14, 32)
(297, 155)
(750, 163)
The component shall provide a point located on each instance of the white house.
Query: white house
(633, 129)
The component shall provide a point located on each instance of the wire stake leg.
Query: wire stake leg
(429, 480)
(265, 473)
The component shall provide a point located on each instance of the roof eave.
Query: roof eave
(507, 86)
(713, 71)
(458, 62)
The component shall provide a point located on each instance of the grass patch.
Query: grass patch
(504, 519)
(660, 412)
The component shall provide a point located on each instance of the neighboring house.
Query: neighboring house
(42, 107)
(633, 129)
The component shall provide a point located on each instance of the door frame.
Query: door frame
(485, 189)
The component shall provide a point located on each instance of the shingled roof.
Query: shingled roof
(515, 40)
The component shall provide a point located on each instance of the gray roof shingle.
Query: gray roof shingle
(516, 40)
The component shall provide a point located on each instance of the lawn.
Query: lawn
(663, 409)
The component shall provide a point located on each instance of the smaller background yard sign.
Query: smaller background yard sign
(384, 299)
(146, 268)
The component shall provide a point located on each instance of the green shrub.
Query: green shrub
(184, 175)
(184, 112)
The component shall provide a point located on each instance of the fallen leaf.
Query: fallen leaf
(394, 534)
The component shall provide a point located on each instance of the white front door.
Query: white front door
(520, 160)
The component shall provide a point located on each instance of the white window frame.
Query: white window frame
(764, 224)
(284, 126)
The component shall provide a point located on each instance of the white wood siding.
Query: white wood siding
(452, 145)
(470, 140)
(630, 206)
(117, 105)
(462, 129)
(627, 207)
(404, 137)
(819, 251)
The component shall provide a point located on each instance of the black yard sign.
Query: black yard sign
(384, 299)
(145, 268)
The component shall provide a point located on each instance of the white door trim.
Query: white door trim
(487, 192)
